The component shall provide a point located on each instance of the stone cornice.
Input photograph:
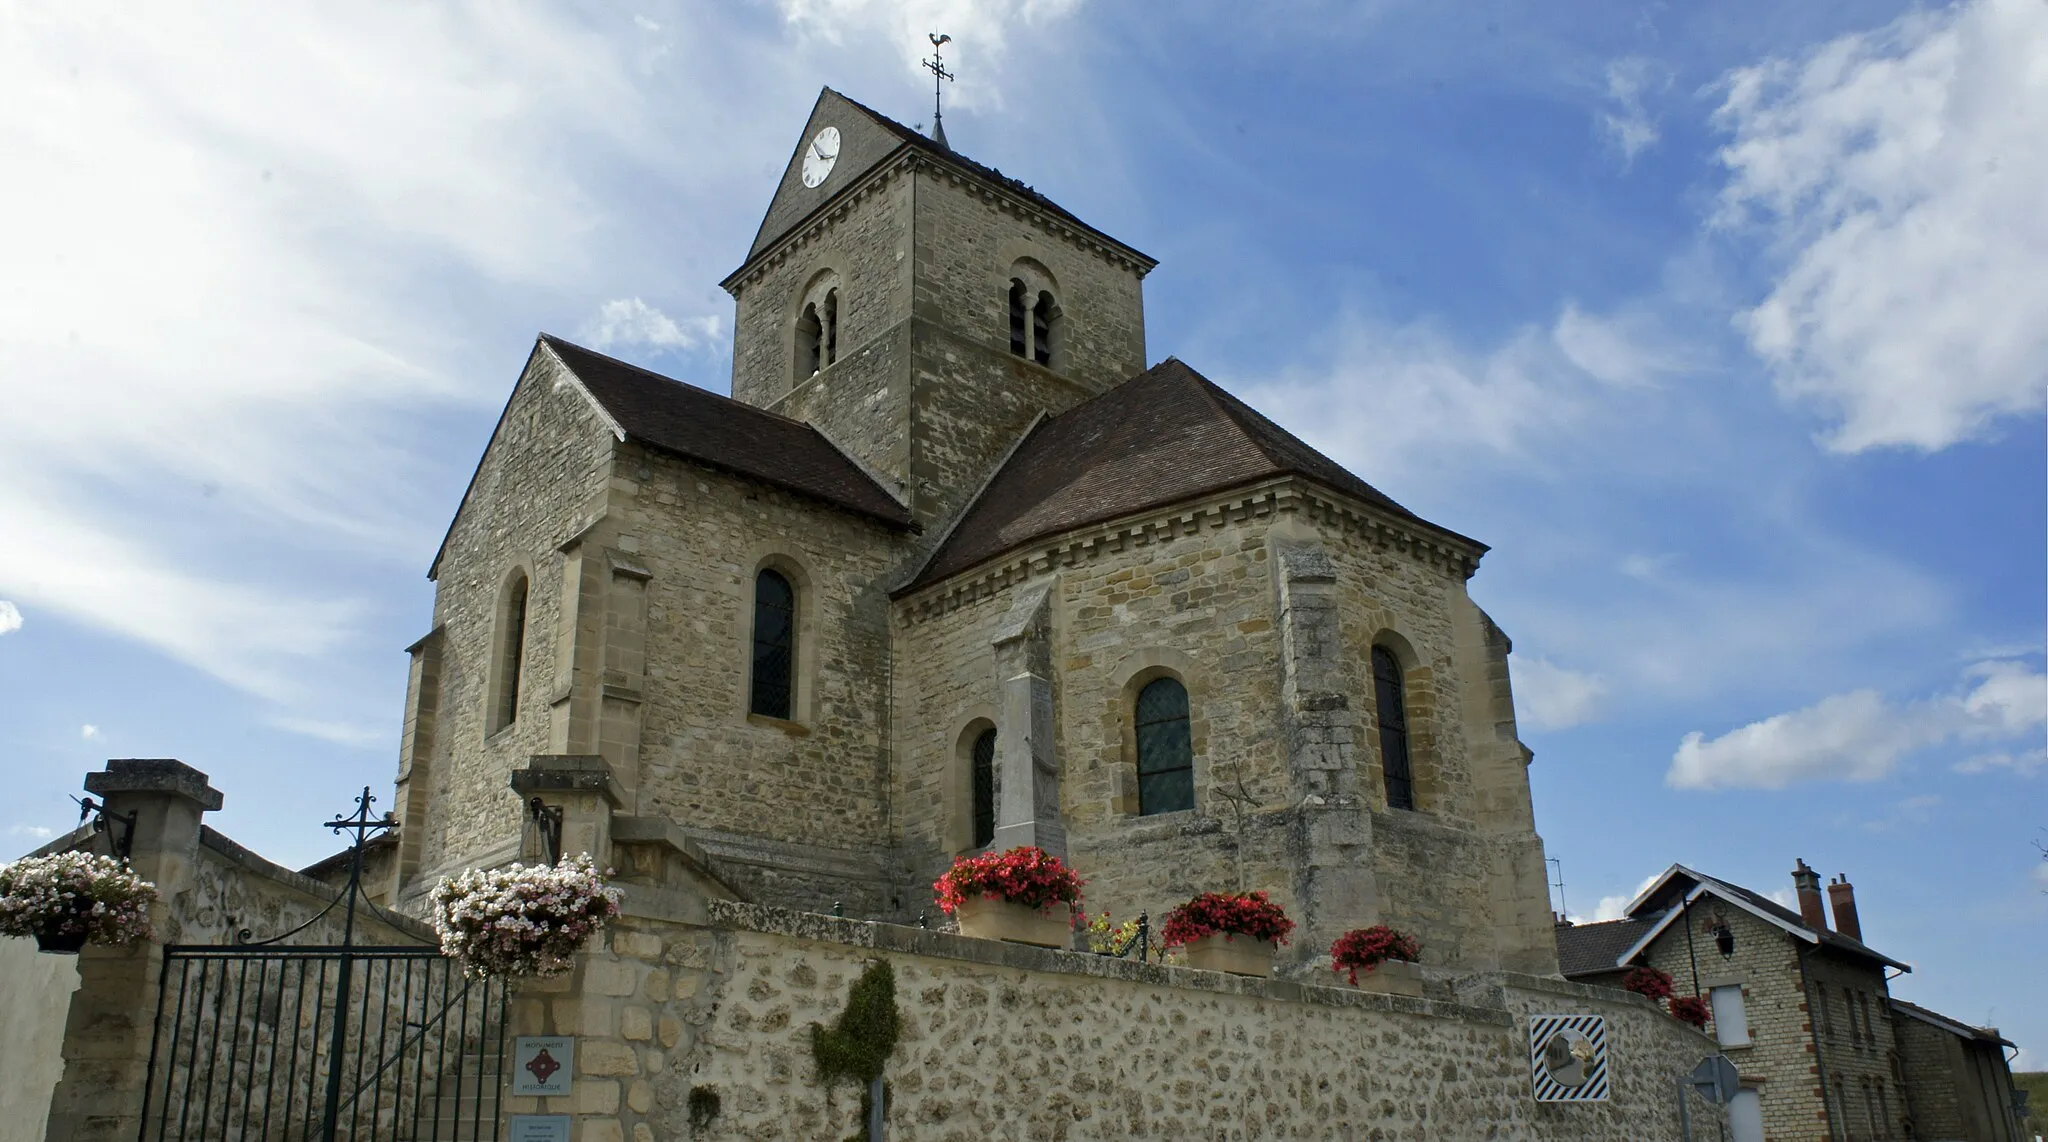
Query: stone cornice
(1265, 500)
(908, 160)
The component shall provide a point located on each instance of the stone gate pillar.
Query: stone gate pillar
(113, 1012)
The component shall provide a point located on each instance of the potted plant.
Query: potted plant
(521, 920)
(1387, 957)
(67, 900)
(1025, 896)
(1235, 932)
(1690, 1009)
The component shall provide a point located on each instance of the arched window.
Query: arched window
(774, 645)
(831, 322)
(983, 759)
(1393, 711)
(1045, 320)
(810, 343)
(1020, 328)
(1166, 750)
(511, 653)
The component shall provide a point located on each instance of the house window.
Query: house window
(1849, 1001)
(983, 761)
(774, 645)
(1166, 752)
(1731, 1019)
(511, 654)
(1393, 713)
(1884, 1109)
(1870, 1110)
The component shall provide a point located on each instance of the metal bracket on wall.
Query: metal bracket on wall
(102, 822)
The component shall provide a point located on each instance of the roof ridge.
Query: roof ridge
(554, 340)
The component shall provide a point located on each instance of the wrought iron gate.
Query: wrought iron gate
(324, 1043)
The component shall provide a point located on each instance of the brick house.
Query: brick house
(1804, 1011)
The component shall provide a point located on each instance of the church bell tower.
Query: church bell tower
(923, 310)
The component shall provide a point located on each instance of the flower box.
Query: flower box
(1393, 977)
(68, 900)
(1238, 955)
(988, 918)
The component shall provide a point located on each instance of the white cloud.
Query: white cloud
(32, 832)
(1614, 907)
(10, 617)
(1859, 736)
(1899, 173)
(2025, 763)
(1627, 123)
(629, 321)
(88, 731)
(1911, 811)
(980, 29)
(2027, 1061)
(1551, 697)
(1784, 898)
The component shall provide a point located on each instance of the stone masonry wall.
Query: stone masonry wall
(540, 483)
(1006, 1042)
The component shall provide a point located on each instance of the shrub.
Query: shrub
(1649, 982)
(1105, 937)
(521, 920)
(1230, 914)
(1025, 875)
(1368, 948)
(1689, 1009)
(73, 894)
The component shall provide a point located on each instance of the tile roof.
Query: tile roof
(1162, 437)
(1666, 894)
(1954, 1027)
(723, 433)
(1588, 949)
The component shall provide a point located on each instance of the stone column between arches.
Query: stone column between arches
(1027, 763)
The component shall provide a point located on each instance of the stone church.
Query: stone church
(955, 567)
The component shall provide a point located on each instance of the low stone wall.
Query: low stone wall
(1001, 1041)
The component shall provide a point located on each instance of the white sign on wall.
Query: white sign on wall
(1568, 1058)
(542, 1064)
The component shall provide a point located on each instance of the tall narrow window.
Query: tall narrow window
(1731, 1020)
(1884, 1109)
(984, 761)
(774, 645)
(1393, 711)
(1044, 317)
(810, 343)
(1166, 749)
(1019, 327)
(831, 322)
(1870, 1110)
(511, 653)
(1826, 1018)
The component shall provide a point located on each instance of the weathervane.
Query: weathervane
(937, 66)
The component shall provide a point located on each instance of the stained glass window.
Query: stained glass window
(1393, 711)
(774, 645)
(1166, 751)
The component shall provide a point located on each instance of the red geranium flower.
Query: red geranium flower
(1649, 983)
(1689, 1009)
(1250, 914)
(1025, 875)
(1368, 948)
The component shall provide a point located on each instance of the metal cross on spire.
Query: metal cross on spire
(937, 66)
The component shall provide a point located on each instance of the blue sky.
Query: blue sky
(1725, 327)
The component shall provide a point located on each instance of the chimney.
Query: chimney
(1842, 899)
(1807, 882)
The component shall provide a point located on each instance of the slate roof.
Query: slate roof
(1659, 899)
(1166, 435)
(774, 227)
(1954, 1027)
(723, 433)
(1589, 949)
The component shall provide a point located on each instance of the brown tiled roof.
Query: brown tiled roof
(1164, 436)
(723, 433)
(1588, 949)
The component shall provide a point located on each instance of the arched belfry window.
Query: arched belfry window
(1166, 751)
(817, 335)
(983, 760)
(511, 653)
(831, 322)
(1020, 318)
(774, 646)
(1045, 319)
(1393, 712)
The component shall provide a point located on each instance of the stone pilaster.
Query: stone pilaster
(1028, 811)
(107, 1036)
(583, 788)
(1332, 839)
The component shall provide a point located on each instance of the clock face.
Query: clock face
(819, 156)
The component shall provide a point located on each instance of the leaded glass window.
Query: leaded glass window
(1393, 711)
(1166, 750)
(984, 788)
(774, 645)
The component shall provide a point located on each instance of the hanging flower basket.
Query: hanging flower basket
(1385, 955)
(69, 900)
(1025, 896)
(1239, 933)
(522, 920)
